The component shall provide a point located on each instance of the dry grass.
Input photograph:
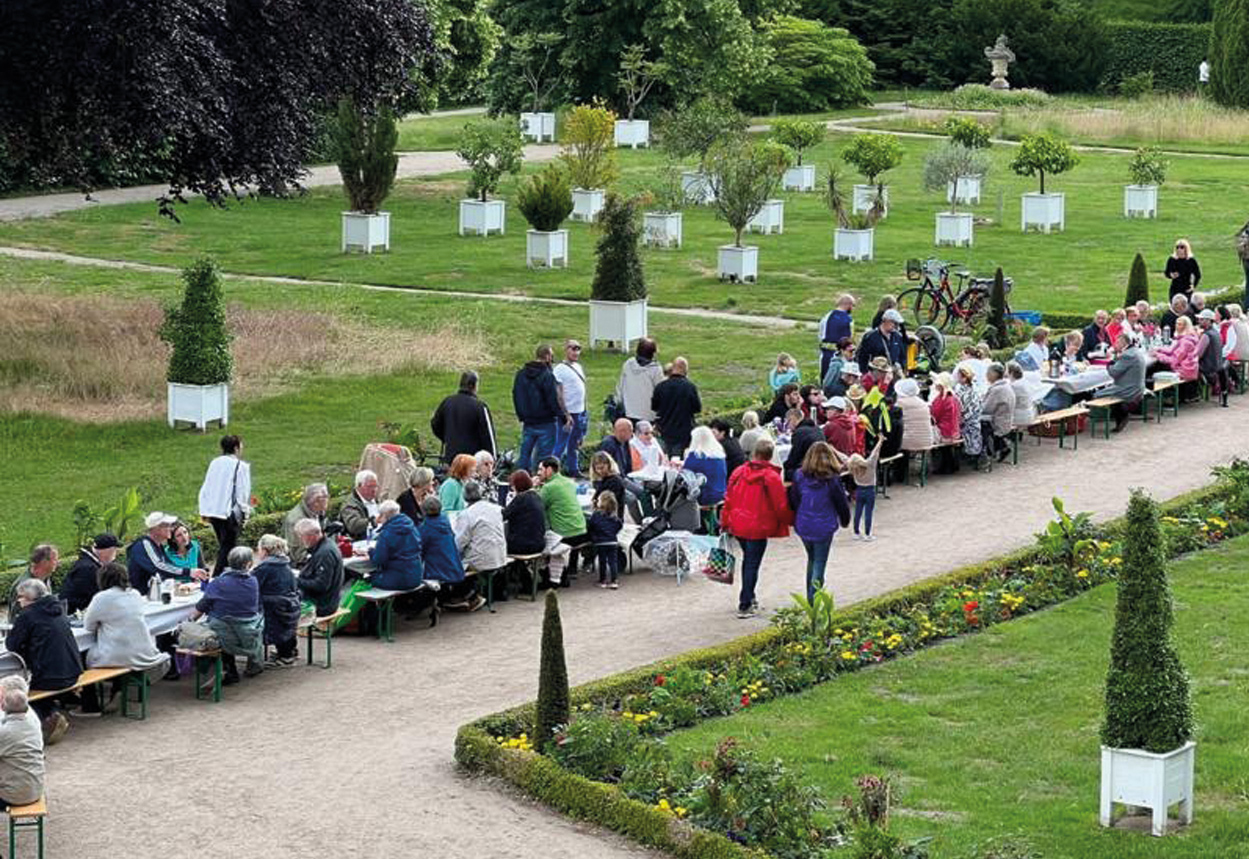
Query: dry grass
(100, 359)
(1159, 119)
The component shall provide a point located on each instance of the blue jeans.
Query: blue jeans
(752, 559)
(817, 560)
(568, 441)
(536, 441)
(864, 504)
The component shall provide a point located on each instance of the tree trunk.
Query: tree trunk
(1042, 172)
(737, 240)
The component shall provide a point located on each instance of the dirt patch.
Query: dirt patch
(101, 359)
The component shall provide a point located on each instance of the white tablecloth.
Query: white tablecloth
(1089, 380)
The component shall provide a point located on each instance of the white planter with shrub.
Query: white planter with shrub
(662, 229)
(1044, 212)
(200, 362)
(586, 203)
(538, 126)
(1140, 201)
(545, 249)
(618, 302)
(738, 264)
(770, 218)
(865, 195)
(954, 228)
(198, 404)
(633, 132)
(482, 219)
(964, 191)
(618, 323)
(697, 187)
(366, 232)
(799, 178)
(854, 245)
(1148, 780)
(492, 148)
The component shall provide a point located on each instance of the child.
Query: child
(863, 469)
(784, 373)
(602, 529)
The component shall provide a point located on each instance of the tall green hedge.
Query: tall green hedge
(1171, 51)
(1229, 53)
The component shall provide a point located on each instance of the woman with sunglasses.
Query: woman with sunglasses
(1182, 270)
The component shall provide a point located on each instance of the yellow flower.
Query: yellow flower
(848, 655)
(663, 805)
(1082, 574)
(680, 811)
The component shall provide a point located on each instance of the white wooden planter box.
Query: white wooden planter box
(800, 178)
(967, 188)
(483, 218)
(1140, 201)
(198, 404)
(586, 204)
(954, 228)
(633, 132)
(770, 219)
(865, 195)
(618, 323)
(854, 245)
(738, 264)
(366, 232)
(546, 250)
(1148, 780)
(697, 187)
(1045, 212)
(538, 126)
(662, 229)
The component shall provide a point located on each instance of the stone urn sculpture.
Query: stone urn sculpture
(1001, 56)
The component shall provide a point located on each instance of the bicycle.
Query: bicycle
(935, 298)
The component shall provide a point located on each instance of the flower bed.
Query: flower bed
(610, 764)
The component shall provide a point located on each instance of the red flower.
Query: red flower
(745, 700)
(867, 645)
(660, 680)
(969, 607)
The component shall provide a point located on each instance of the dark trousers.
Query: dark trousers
(287, 649)
(608, 556)
(752, 559)
(227, 531)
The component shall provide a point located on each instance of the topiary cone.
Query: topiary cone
(1138, 283)
(997, 311)
(1147, 699)
(552, 676)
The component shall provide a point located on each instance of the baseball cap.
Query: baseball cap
(838, 403)
(105, 541)
(851, 370)
(156, 518)
(1207, 314)
(893, 316)
(572, 344)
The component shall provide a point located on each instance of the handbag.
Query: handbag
(720, 562)
(197, 636)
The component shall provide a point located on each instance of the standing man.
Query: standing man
(225, 496)
(571, 382)
(536, 400)
(80, 583)
(883, 341)
(462, 422)
(43, 562)
(638, 378)
(675, 403)
(837, 324)
(1203, 76)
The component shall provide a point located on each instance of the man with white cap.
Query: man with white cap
(570, 383)
(884, 341)
(850, 375)
(145, 557)
(1210, 355)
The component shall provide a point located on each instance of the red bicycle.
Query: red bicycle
(935, 301)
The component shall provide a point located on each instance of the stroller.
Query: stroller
(676, 508)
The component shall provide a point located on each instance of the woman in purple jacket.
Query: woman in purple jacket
(820, 505)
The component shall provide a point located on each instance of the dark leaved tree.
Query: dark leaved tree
(619, 275)
(1138, 282)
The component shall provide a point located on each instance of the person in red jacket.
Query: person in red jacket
(755, 508)
(844, 430)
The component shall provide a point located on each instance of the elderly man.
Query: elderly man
(43, 562)
(321, 579)
(462, 422)
(837, 325)
(884, 341)
(535, 397)
(849, 376)
(570, 381)
(80, 583)
(1096, 336)
(1210, 361)
(1128, 372)
(232, 603)
(21, 746)
(146, 559)
(41, 635)
(676, 403)
(315, 501)
(479, 534)
(1179, 307)
(396, 556)
(616, 445)
(359, 511)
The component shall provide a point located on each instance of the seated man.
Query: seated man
(616, 445)
(997, 414)
(564, 515)
(312, 506)
(80, 582)
(1128, 371)
(21, 746)
(442, 558)
(232, 603)
(321, 579)
(1096, 336)
(146, 557)
(1179, 307)
(44, 559)
(396, 555)
(42, 636)
(479, 534)
(359, 511)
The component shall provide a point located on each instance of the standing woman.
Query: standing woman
(225, 497)
(820, 507)
(755, 509)
(1182, 270)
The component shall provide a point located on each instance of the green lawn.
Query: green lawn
(424, 133)
(1077, 271)
(997, 733)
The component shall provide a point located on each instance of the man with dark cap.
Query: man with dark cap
(80, 583)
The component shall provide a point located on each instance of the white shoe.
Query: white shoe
(868, 538)
(858, 537)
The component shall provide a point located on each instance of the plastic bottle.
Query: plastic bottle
(153, 590)
(1166, 335)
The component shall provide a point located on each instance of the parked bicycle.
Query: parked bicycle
(937, 303)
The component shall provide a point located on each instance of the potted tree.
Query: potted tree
(618, 293)
(854, 237)
(535, 57)
(200, 364)
(944, 167)
(1147, 748)
(872, 155)
(492, 148)
(1147, 170)
(662, 226)
(969, 134)
(693, 130)
(1037, 155)
(589, 157)
(545, 201)
(744, 175)
(365, 148)
(799, 135)
(636, 77)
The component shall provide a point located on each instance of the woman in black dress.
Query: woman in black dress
(1182, 270)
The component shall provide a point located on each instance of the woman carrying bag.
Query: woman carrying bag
(225, 497)
(755, 509)
(820, 506)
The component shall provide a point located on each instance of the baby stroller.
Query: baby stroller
(676, 507)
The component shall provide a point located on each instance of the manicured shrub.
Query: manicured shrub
(492, 148)
(1138, 282)
(1170, 52)
(744, 175)
(196, 329)
(814, 67)
(1229, 53)
(873, 154)
(545, 200)
(1039, 154)
(589, 152)
(552, 709)
(798, 134)
(365, 151)
(1147, 699)
(618, 275)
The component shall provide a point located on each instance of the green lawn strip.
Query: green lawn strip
(1074, 272)
(320, 428)
(419, 133)
(997, 733)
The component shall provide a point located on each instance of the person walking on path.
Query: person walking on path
(755, 509)
(462, 422)
(536, 400)
(820, 506)
(570, 380)
(225, 497)
(638, 378)
(675, 403)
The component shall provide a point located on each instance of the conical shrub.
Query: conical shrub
(552, 676)
(1147, 699)
(997, 312)
(196, 329)
(1138, 282)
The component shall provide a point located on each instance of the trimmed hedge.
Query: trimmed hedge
(1171, 51)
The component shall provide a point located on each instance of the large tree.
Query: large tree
(521, 22)
(709, 46)
(598, 33)
(467, 39)
(207, 94)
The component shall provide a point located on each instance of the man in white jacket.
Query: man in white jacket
(225, 497)
(638, 379)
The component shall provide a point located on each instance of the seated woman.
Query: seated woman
(524, 517)
(917, 430)
(1068, 361)
(751, 432)
(832, 376)
(1025, 409)
(420, 484)
(451, 493)
(946, 417)
(1118, 317)
(997, 413)
(182, 551)
(279, 598)
(122, 637)
(784, 373)
(1146, 324)
(21, 746)
(480, 535)
(970, 407)
(1181, 357)
(606, 477)
(442, 560)
(232, 603)
(42, 636)
(646, 452)
(396, 555)
(705, 456)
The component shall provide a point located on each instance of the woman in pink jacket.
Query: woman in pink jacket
(1181, 356)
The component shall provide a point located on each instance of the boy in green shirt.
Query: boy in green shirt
(563, 510)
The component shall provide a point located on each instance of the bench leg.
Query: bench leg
(329, 646)
(139, 681)
(309, 647)
(490, 590)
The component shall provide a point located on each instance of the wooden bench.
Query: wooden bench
(321, 627)
(27, 816)
(882, 473)
(92, 676)
(1241, 368)
(488, 577)
(926, 454)
(533, 564)
(1160, 391)
(208, 665)
(1062, 416)
(1100, 408)
(384, 600)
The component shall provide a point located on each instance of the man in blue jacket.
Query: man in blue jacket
(885, 341)
(537, 404)
(397, 553)
(836, 325)
(146, 556)
(442, 559)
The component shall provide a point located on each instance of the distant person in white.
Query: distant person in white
(225, 497)
(21, 746)
(1203, 73)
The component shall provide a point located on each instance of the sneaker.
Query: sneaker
(172, 673)
(54, 727)
(858, 536)
(476, 602)
(279, 662)
(615, 586)
(747, 614)
(868, 538)
(253, 669)
(754, 606)
(603, 585)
